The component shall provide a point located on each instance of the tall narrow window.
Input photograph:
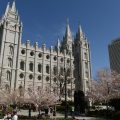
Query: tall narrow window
(9, 62)
(11, 50)
(61, 71)
(22, 65)
(7, 87)
(39, 68)
(31, 67)
(47, 69)
(85, 54)
(21, 90)
(8, 76)
(55, 70)
(86, 65)
(68, 72)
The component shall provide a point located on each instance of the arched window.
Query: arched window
(7, 87)
(55, 70)
(31, 67)
(68, 72)
(21, 90)
(69, 93)
(61, 71)
(86, 65)
(8, 76)
(22, 65)
(85, 54)
(86, 74)
(9, 62)
(11, 50)
(47, 69)
(39, 68)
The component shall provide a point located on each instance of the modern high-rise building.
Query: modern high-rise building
(114, 55)
(24, 65)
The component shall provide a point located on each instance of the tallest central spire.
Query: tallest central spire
(68, 31)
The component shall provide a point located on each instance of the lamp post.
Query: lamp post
(66, 110)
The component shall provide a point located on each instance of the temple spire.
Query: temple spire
(68, 31)
(80, 29)
(7, 9)
(58, 43)
(13, 6)
(80, 32)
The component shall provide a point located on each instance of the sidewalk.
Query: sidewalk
(58, 115)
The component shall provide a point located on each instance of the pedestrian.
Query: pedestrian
(5, 116)
(73, 118)
(9, 117)
(15, 116)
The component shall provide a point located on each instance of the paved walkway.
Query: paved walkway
(25, 112)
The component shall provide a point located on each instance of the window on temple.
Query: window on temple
(86, 65)
(85, 54)
(11, 50)
(47, 78)
(7, 87)
(47, 69)
(31, 67)
(21, 90)
(21, 75)
(31, 53)
(69, 93)
(68, 72)
(22, 65)
(30, 76)
(55, 58)
(39, 68)
(55, 79)
(40, 55)
(86, 74)
(23, 51)
(68, 60)
(39, 77)
(8, 76)
(61, 59)
(9, 62)
(61, 71)
(47, 56)
(55, 70)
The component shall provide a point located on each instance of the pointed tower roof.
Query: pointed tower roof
(13, 7)
(58, 43)
(68, 31)
(80, 34)
(7, 9)
(80, 29)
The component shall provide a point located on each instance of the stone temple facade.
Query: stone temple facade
(23, 65)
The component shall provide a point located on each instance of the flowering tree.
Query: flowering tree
(106, 86)
(10, 97)
(41, 98)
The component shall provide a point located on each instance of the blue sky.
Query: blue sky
(45, 20)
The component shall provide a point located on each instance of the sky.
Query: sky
(45, 20)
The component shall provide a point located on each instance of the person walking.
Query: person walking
(15, 116)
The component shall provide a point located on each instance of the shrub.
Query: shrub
(116, 116)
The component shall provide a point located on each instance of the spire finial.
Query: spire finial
(68, 31)
(7, 8)
(79, 29)
(13, 6)
(67, 21)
